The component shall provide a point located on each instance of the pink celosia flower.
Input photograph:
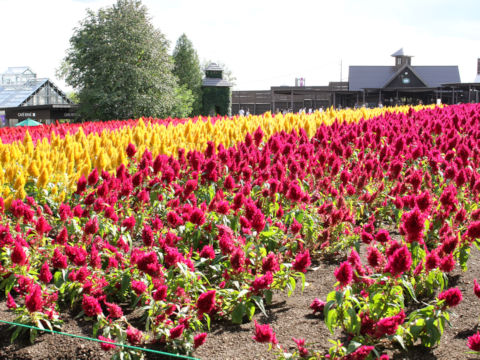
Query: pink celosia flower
(262, 282)
(270, 263)
(131, 150)
(344, 273)
(317, 305)
(108, 345)
(59, 261)
(264, 334)
(476, 288)
(452, 297)
(114, 311)
(302, 261)
(91, 306)
(399, 262)
(134, 335)
(199, 339)
(34, 301)
(11, 302)
(139, 287)
(177, 331)
(207, 252)
(45, 274)
(206, 302)
(474, 342)
(18, 255)
(302, 350)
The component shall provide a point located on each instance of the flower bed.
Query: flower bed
(211, 234)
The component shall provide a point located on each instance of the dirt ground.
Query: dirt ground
(288, 316)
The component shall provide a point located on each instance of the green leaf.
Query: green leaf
(259, 302)
(268, 296)
(339, 296)
(238, 313)
(330, 319)
(291, 285)
(250, 310)
(15, 334)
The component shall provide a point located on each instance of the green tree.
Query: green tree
(119, 65)
(188, 71)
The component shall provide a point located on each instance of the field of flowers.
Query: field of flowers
(193, 221)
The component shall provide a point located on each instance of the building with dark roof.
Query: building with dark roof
(23, 95)
(216, 93)
(400, 83)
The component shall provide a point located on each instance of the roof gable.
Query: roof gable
(405, 77)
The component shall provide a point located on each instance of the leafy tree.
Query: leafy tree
(187, 69)
(184, 102)
(119, 65)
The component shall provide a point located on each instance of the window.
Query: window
(406, 80)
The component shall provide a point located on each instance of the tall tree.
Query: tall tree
(119, 65)
(188, 71)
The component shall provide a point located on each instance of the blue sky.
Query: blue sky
(266, 42)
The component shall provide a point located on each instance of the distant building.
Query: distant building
(397, 84)
(216, 92)
(401, 83)
(23, 95)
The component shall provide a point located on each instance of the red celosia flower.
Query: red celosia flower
(147, 236)
(382, 236)
(177, 331)
(114, 311)
(45, 274)
(344, 274)
(447, 263)
(108, 345)
(134, 335)
(197, 217)
(161, 293)
(262, 282)
(91, 227)
(226, 243)
(399, 262)
(206, 302)
(18, 255)
(223, 207)
(59, 261)
(302, 350)
(148, 263)
(199, 339)
(413, 223)
(432, 261)
(42, 226)
(34, 301)
(11, 302)
(237, 259)
(452, 297)
(366, 237)
(474, 230)
(295, 227)
(476, 288)
(270, 263)
(360, 354)
(258, 221)
(81, 184)
(474, 342)
(93, 177)
(389, 325)
(317, 305)
(131, 150)
(302, 261)
(374, 257)
(139, 287)
(91, 306)
(129, 223)
(207, 252)
(264, 334)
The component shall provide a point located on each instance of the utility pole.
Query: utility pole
(341, 67)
